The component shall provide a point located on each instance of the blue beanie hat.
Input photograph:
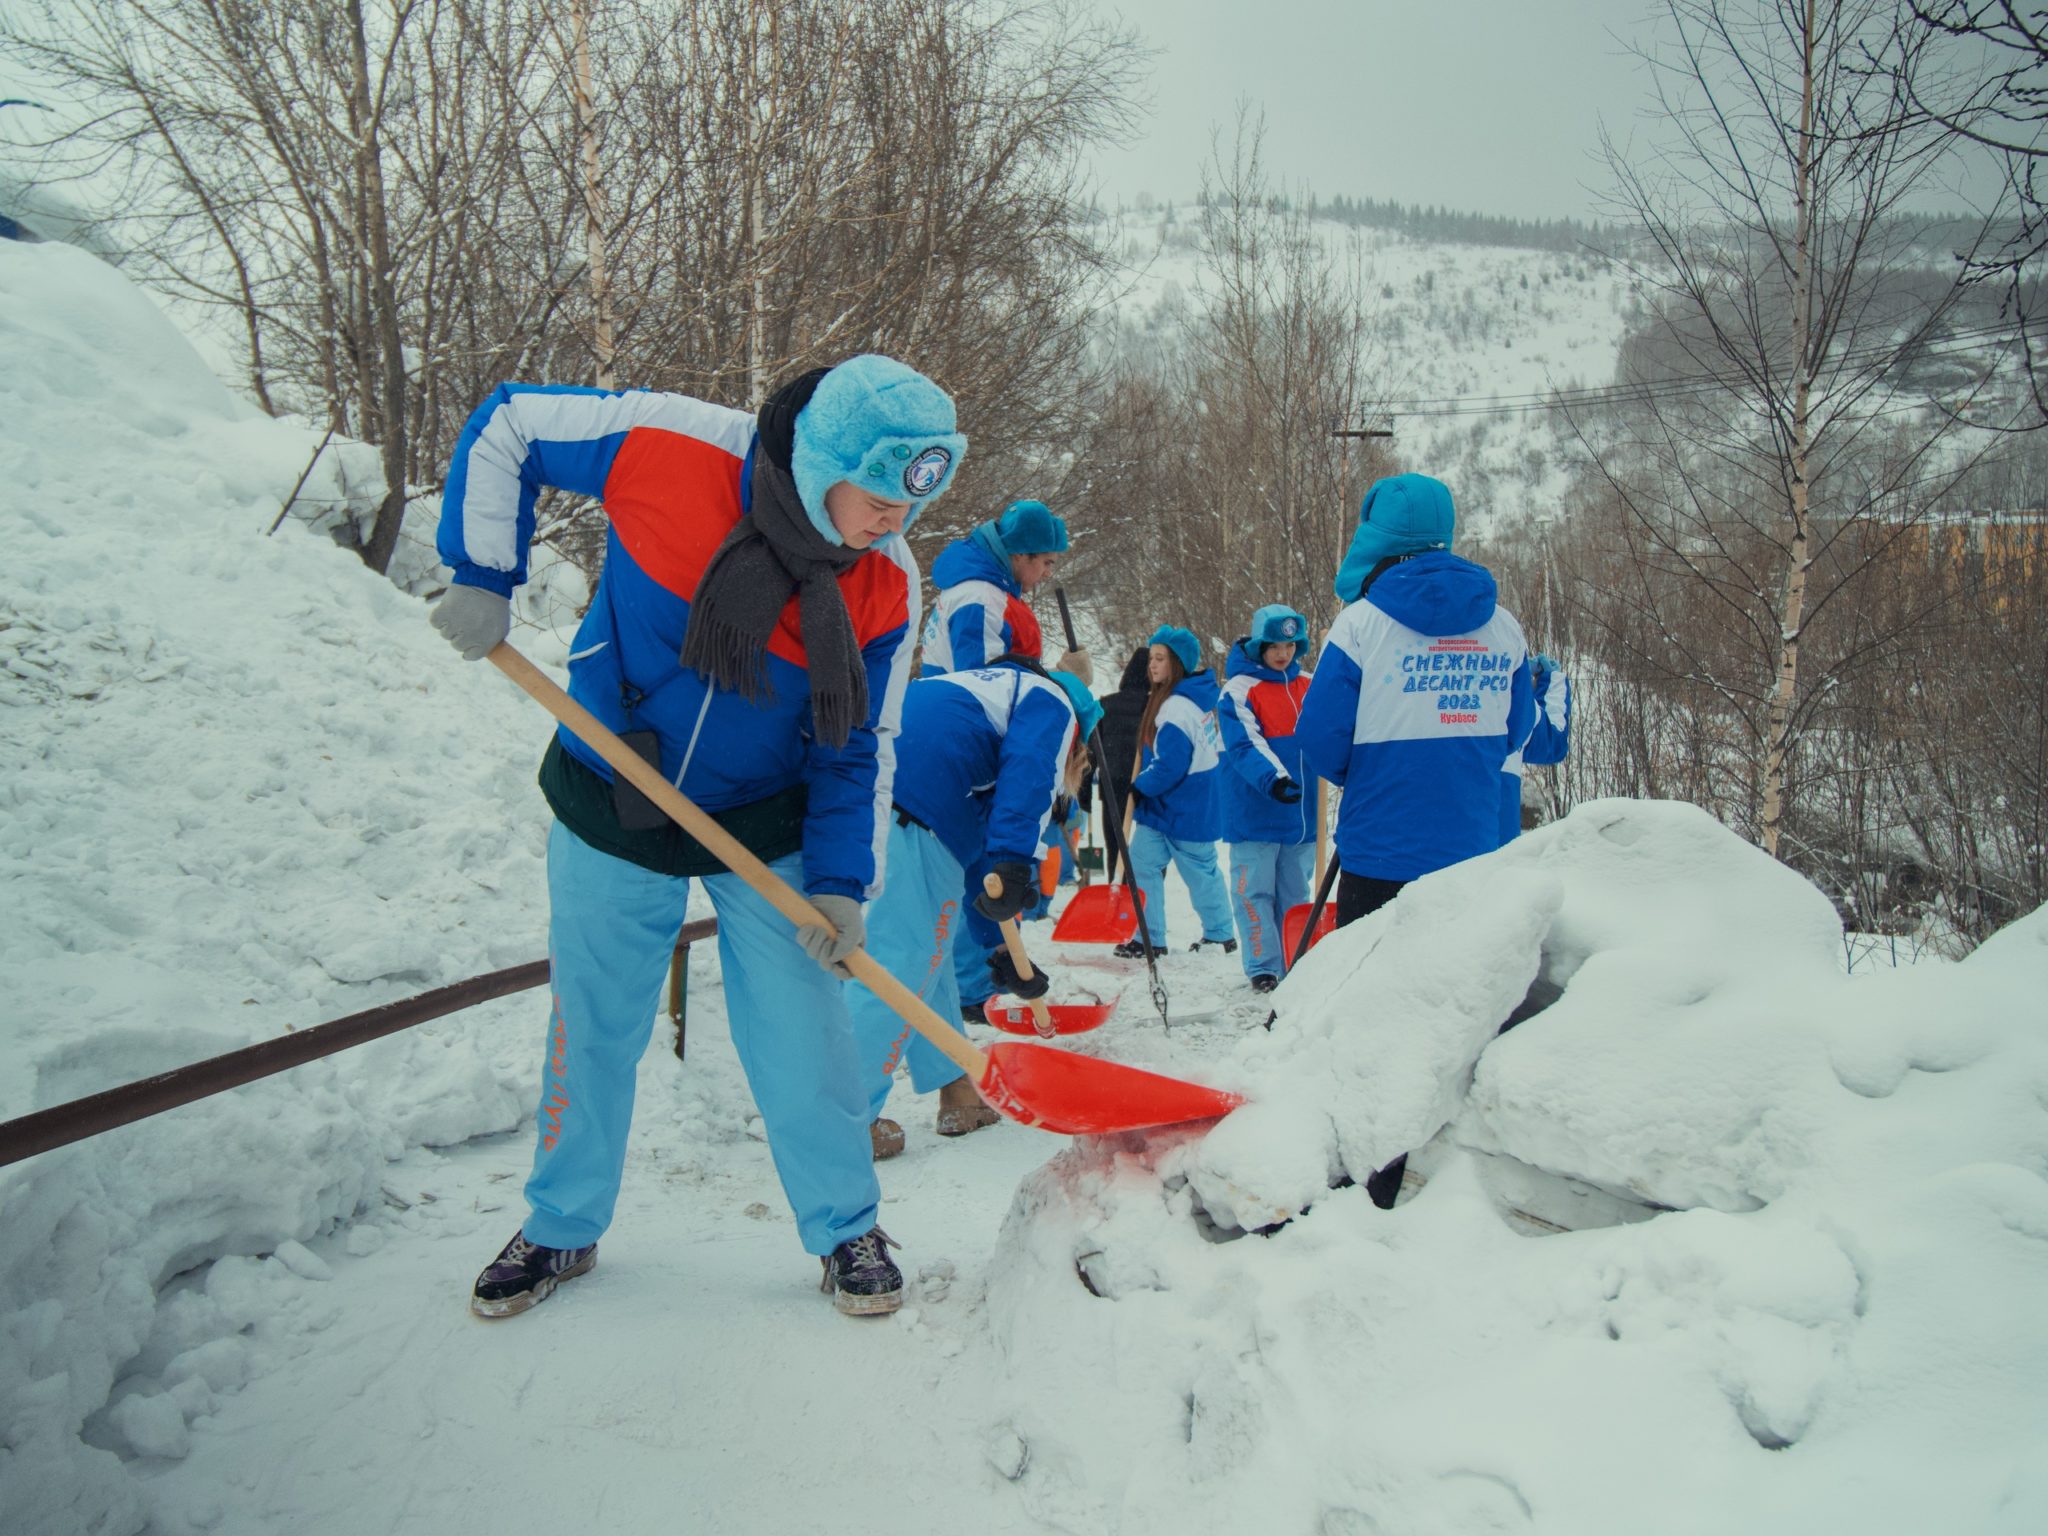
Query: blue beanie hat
(880, 424)
(1278, 624)
(1086, 709)
(1031, 528)
(1182, 643)
(1401, 515)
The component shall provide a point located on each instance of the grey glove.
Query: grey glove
(844, 914)
(473, 619)
(1077, 662)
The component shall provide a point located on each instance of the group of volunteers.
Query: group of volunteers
(752, 636)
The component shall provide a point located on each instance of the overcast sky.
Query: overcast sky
(1486, 105)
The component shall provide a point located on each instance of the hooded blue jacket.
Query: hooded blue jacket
(1421, 689)
(1259, 715)
(974, 619)
(1178, 774)
(675, 475)
(980, 760)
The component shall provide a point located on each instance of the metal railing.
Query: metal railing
(62, 1124)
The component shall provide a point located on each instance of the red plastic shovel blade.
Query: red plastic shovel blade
(1296, 919)
(1067, 1018)
(1098, 914)
(1078, 1095)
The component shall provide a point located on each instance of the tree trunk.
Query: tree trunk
(383, 307)
(1778, 721)
(593, 202)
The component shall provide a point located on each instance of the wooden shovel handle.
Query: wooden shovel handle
(732, 853)
(1041, 1016)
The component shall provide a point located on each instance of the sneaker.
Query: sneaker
(1228, 946)
(1132, 949)
(886, 1137)
(525, 1274)
(1265, 981)
(961, 1109)
(861, 1277)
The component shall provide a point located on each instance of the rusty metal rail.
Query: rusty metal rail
(62, 1124)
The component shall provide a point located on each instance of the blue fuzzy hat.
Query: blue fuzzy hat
(1182, 643)
(1278, 624)
(1086, 709)
(1031, 528)
(1400, 515)
(880, 424)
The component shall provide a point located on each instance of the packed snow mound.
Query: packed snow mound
(1839, 1328)
(243, 789)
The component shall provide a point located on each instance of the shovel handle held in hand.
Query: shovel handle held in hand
(731, 852)
(1041, 1017)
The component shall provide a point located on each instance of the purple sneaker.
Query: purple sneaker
(862, 1278)
(524, 1274)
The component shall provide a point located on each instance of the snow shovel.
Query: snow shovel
(1302, 928)
(1043, 1018)
(1098, 914)
(1032, 1084)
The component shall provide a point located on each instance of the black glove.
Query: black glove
(1018, 889)
(1286, 791)
(1004, 969)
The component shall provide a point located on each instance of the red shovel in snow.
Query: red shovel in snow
(1032, 1084)
(1038, 1016)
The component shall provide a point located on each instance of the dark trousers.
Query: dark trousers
(1356, 896)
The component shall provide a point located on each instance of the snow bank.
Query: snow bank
(243, 788)
(1838, 1328)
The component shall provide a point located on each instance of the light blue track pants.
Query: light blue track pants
(611, 930)
(1265, 880)
(910, 933)
(1150, 850)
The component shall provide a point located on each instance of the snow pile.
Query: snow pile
(245, 789)
(1839, 1327)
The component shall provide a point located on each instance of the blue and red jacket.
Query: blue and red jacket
(982, 757)
(1178, 777)
(980, 613)
(1420, 692)
(675, 475)
(1258, 716)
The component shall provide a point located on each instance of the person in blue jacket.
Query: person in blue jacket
(979, 616)
(1176, 793)
(985, 753)
(982, 581)
(751, 634)
(1549, 741)
(1420, 692)
(1269, 815)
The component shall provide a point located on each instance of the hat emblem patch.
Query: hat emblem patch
(926, 470)
(1288, 628)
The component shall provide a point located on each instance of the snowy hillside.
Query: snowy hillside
(1720, 1239)
(1447, 322)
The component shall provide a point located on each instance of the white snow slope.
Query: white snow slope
(247, 789)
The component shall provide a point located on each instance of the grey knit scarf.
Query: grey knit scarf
(774, 551)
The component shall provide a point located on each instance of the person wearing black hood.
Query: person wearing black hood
(1122, 712)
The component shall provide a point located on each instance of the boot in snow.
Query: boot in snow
(886, 1137)
(961, 1109)
(861, 1277)
(1133, 949)
(971, 1013)
(524, 1275)
(1265, 981)
(1228, 946)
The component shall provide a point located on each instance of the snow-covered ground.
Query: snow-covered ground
(1722, 1239)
